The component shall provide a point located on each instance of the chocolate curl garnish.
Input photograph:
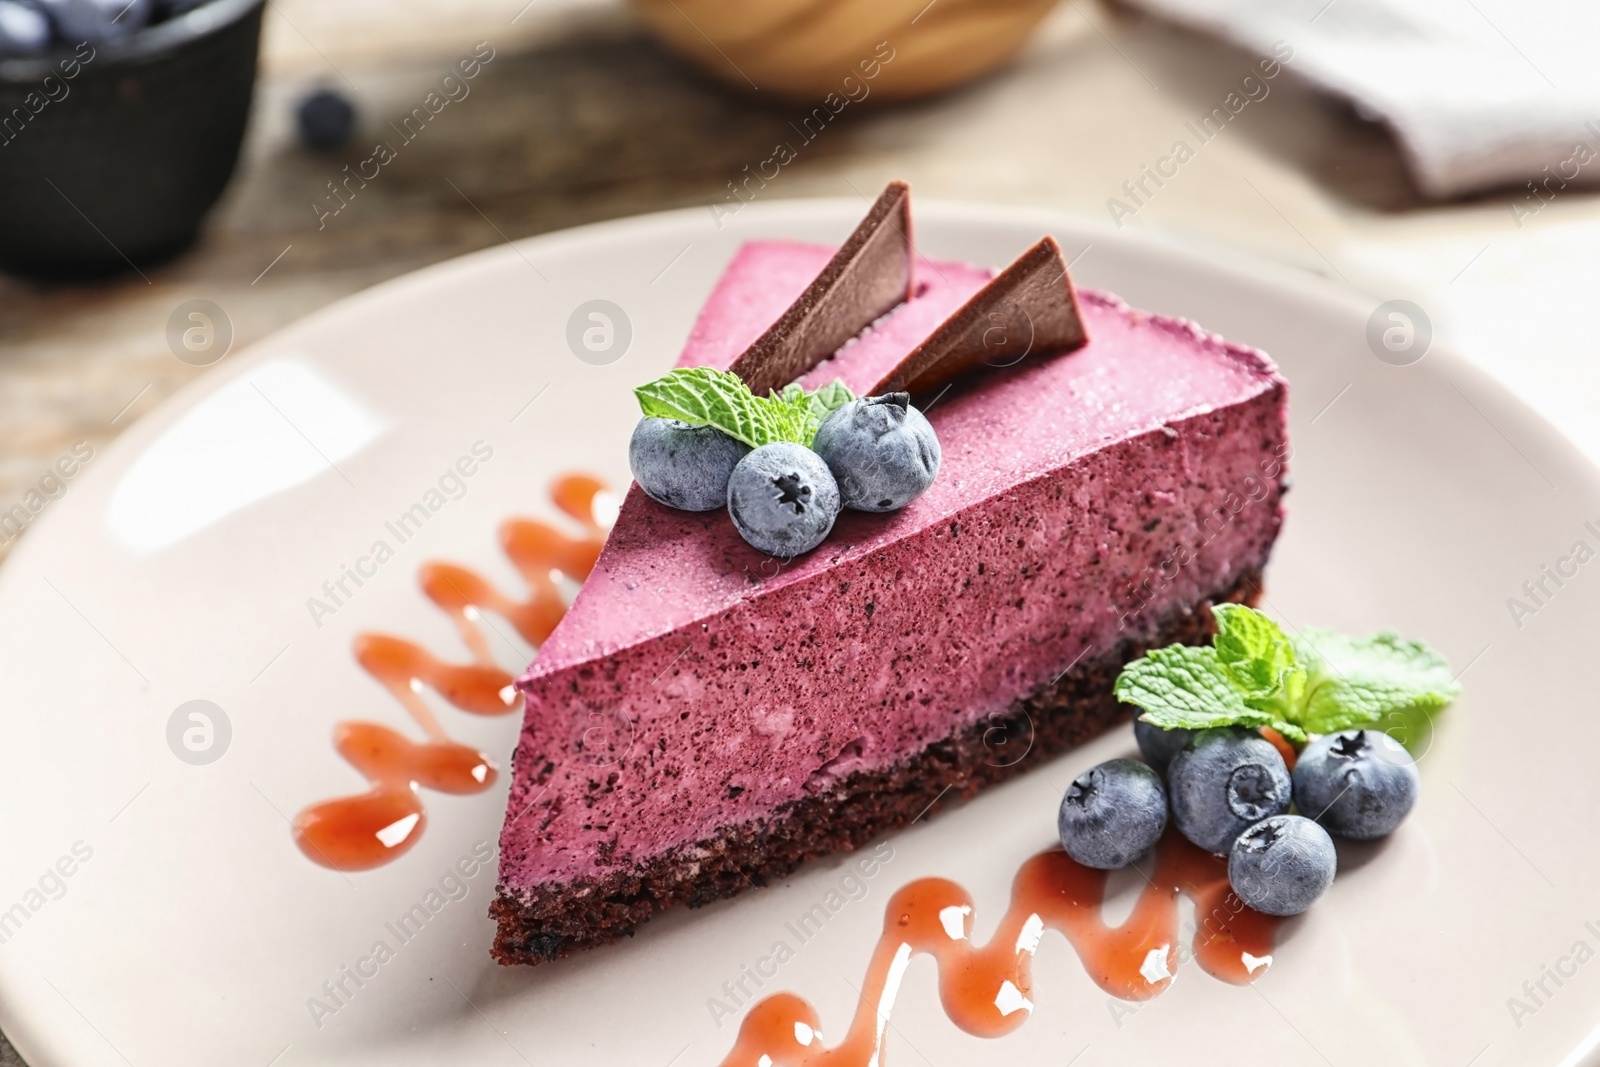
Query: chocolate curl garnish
(868, 276)
(1027, 309)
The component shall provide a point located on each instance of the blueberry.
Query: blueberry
(683, 466)
(1281, 865)
(882, 451)
(782, 499)
(95, 20)
(1359, 784)
(1112, 814)
(23, 30)
(1224, 781)
(326, 119)
(1158, 746)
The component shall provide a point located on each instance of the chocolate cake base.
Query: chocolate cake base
(562, 919)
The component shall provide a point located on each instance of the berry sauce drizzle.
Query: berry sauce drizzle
(366, 830)
(987, 990)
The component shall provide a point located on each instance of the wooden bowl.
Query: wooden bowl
(803, 50)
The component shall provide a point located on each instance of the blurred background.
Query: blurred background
(1420, 152)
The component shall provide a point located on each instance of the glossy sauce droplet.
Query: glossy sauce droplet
(988, 990)
(366, 830)
(1281, 743)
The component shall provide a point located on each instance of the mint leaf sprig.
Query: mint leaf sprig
(1255, 675)
(702, 396)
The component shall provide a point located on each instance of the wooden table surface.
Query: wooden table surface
(580, 117)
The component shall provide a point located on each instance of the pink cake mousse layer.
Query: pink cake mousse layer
(1082, 498)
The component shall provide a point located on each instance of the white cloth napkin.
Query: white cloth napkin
(1479, 93)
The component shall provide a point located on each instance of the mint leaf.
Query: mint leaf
(1317, 682)
(1259, 657)
(1409, 726)
(1252, 646)
(830, 398)
(816, 405)
(791, 414)
(822, 403)
(702, 396)
(1183, 687)
(1355, 681)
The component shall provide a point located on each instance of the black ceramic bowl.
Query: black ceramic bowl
(111, 154)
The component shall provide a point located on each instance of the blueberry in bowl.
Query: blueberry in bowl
(24, 30)
(119, 132)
